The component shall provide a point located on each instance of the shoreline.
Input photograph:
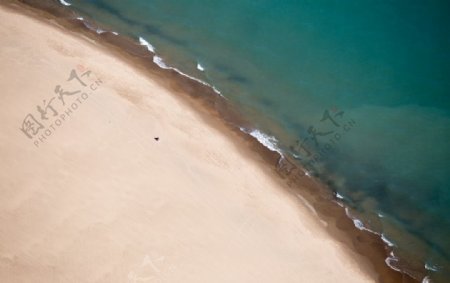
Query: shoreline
(204, 100)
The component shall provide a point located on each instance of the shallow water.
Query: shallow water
(357, 91)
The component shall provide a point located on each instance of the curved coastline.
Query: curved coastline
(341, 224)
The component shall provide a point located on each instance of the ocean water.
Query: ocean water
(358, 91)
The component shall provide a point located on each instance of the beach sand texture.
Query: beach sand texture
(99, 199)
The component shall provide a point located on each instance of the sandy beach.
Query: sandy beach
(107, 176)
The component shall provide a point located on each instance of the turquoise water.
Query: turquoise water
(356, 90)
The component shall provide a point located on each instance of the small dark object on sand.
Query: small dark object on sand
(157, 139)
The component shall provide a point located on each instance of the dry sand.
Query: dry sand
(100, 200)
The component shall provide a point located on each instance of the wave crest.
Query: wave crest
(147, 44)
(65, 3)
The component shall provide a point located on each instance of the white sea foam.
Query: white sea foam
(159, 61)
(390, 261)
(296, 156)
(200, 67)
(102, 31)
(431, 267)
(358, 223)
(147, 44)
(339, 196)
(97, 30)
(268, 141)
(218, 91)
(64, 3)
(195, 79)
(387, 241)
(91, 27)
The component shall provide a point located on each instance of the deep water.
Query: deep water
(358, 91)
